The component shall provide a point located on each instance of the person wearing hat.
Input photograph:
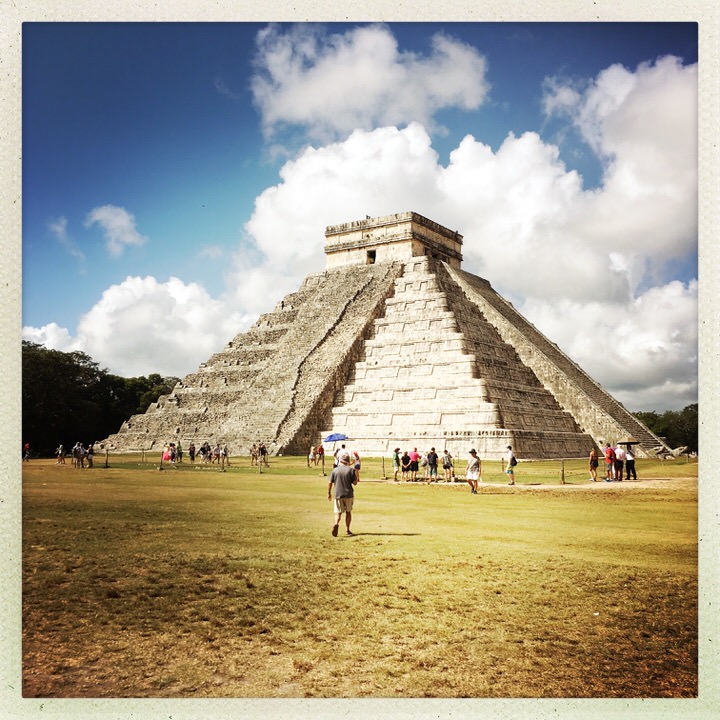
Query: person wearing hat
(472, 473)
(396, 463)
(344, 478)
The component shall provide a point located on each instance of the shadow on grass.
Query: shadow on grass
(380, 534)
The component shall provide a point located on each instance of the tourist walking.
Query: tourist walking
(342, 479)
(263, 451)
(472, 473)
(511, 463)
(594, 461)
(224, 456)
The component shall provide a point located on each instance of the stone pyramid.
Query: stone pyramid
(393, 345)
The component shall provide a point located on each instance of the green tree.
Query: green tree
(677, 427)
(67, 397)
(64, 397)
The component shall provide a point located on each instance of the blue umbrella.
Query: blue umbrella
(333, 437)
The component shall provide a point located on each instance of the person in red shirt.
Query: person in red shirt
(609, 463)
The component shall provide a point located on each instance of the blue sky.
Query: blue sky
(178, 177)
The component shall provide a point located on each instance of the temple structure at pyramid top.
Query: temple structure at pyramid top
(394, 345)
(391, 238)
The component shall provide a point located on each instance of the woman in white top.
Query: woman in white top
(472, 473)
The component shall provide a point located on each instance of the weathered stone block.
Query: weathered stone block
(405, 348)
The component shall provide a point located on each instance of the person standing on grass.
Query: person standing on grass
(414, 464)
(511, 463)
(224, 456)
(432, 458)
(619, 462)
(593, 463)
(336, 455)
(472, 473)
(405, 460)
(396, 463)
(609, 463)
(630, 463)
(447, 462)
(343, 478)
(262, 449)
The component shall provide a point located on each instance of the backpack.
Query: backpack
(513, 461)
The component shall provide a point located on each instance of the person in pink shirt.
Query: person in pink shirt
(414, 464)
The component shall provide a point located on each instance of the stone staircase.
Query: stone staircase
(409, 353)
(272, 382)
(436, 373)
(596, 411)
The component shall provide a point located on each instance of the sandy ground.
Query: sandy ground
(674, 484)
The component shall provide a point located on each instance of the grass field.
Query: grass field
(192, 582)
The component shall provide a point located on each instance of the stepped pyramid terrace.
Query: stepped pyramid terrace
(394, 345)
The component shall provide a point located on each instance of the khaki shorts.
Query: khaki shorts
(343, 505)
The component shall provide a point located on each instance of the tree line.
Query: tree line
(676, 427)
(67, 397)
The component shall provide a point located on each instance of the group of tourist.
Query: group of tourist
(208, 454)
(259, 455)
(346, 475)
(618, 460)
(414, 466)
(316, 456)
(81, 456)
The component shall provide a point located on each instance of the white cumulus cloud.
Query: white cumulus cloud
(593, 269)
(560, 252)
(142, 326)
(118, 226)
(333, 84)
(52, 336)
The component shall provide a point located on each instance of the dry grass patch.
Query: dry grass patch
(198, 583)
